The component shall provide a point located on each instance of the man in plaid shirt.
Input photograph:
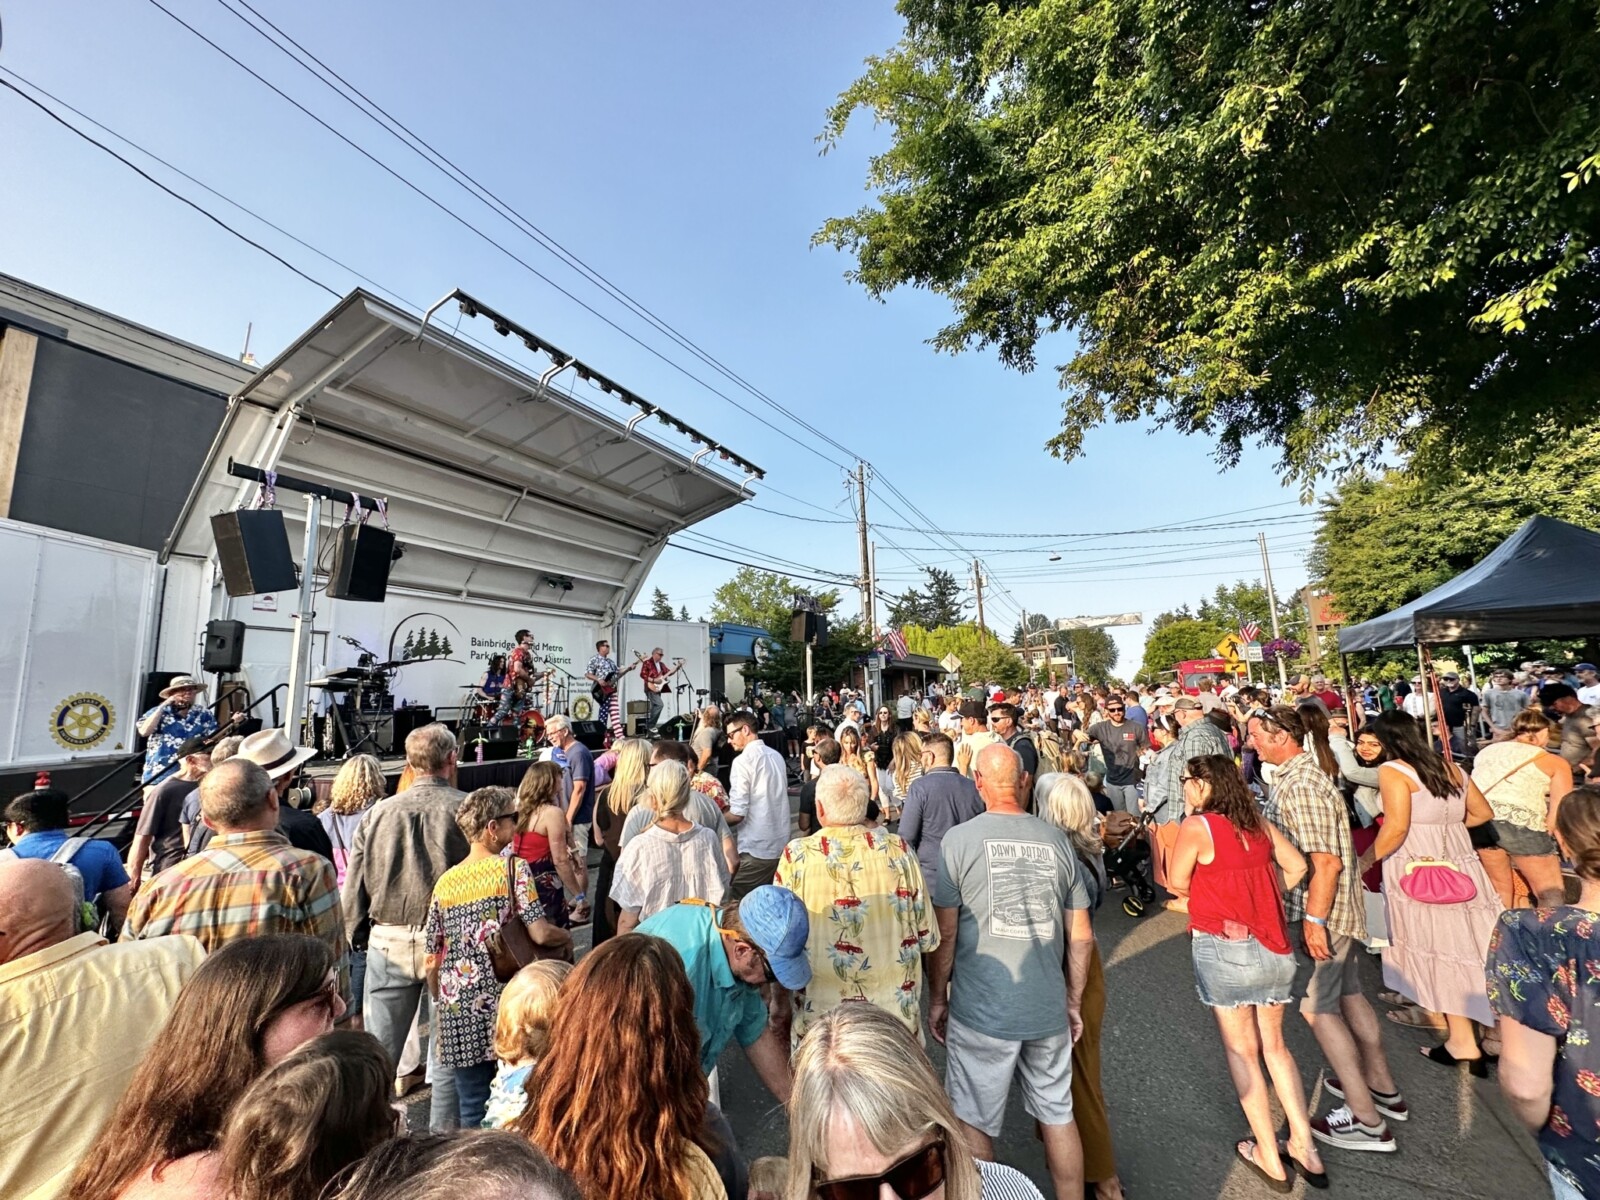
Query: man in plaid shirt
(1311, 812)
(248, 880)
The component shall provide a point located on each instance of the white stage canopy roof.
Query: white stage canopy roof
(499, 486)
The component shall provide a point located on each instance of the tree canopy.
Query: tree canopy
(1177, 641)
(934, 607)
(983, 656)
(785, 668)
(764, 600)
(1330, 227)
(1232, 604)
(660, 606)
(1093, 651)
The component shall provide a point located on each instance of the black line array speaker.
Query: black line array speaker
(361, 558)
(224, 649)
(253, 551)
(809, 627)
(591, 733)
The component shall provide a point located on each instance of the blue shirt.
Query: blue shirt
(577, 764)
(161, 751)
(1137, 713)
(97, 861)
(724, 1007)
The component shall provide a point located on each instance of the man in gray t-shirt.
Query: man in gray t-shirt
(1012, 906)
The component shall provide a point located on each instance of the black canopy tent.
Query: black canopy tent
(1539, 582)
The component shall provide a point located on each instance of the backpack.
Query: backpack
(1052, 756)
(88, 914)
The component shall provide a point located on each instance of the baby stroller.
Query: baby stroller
(1127, 856)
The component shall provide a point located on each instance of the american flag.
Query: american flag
(1250, 631)
(895, 643)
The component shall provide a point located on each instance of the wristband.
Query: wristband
(1322, 921)
(580, 897)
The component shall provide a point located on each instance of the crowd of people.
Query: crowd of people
(279, 972)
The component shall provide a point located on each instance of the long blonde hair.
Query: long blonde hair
(358, 785)
(628, 780)
(1063, 799)
(907, 760)
(860, 1062)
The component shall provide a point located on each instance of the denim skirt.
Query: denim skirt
(1231, 974)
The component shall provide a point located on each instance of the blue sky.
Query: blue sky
(673, 148)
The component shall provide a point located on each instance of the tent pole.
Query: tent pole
(1422, 672)
(1349, 694)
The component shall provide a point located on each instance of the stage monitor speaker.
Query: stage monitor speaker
(253, 551)
(224, 646)
(499, 743)
(591, 733)
(361, 558)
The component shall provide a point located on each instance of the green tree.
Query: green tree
(1232, 604)
(1384, 540)
(1162, 620)
(660, 606)
(785, 668)
(683, 612)
(764, 600)
(1333, 228)
(1094, 653)
(983, 656)
(1177, 641)
(934, 607)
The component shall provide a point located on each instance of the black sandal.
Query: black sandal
(1476, 1067)
(1317, 1179)
(1281, 1186)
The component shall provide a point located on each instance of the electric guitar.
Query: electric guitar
(606, 687)
(659, 683)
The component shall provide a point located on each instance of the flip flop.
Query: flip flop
(1415, 1018)
(1395, 999)
(1317, 1179)
(1281, 1186)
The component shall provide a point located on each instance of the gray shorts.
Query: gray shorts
(979, 1069)
(1321, 985)
(1522, 842)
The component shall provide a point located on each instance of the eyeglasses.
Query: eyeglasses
(510, 816)
(1188, 779)
(1109, 709)
(915, 1176)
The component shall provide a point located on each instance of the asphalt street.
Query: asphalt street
(1174, 1114)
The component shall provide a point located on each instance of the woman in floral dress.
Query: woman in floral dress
(469, 902)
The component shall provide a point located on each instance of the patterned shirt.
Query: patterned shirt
(1312, 815)
(1544, 972)
(870, 924)
(161, 750)
(241, 885)
(469, 902)
(600, 666)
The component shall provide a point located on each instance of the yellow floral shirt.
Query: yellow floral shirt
(870, 922)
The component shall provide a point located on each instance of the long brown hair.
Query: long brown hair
(541, 785)
(1403, 737)
(1578, 823)
(1316, 722)
(1229, 797)
(626, 1046)
(318, 1111)
(208, 1052)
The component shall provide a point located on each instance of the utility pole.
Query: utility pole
(1272, 604)
(875, 676)
(866, 560)
(977, 587)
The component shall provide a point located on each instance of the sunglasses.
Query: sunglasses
(510, 816)
(1109, 709)
(915, 1176)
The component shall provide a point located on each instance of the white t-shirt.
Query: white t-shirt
(1589, 695)
(905, 706)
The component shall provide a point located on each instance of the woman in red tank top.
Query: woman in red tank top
(544, 842)
(1228, 860)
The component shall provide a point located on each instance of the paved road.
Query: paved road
(1174, 1114)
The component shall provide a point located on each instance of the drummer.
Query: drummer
(494, 679)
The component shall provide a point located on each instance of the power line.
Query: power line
(214, 219)
(742, 563)
(466, 224)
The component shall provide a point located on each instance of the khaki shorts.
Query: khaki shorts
(979, 1069)
(1321, 985)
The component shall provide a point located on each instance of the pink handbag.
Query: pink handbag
(1437, 881)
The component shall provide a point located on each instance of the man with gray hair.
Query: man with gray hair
(1012, 908)
(862, 889)
(397, 855)
(76, 1017)
(248, 881)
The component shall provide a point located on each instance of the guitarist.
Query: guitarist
(654, 672)
(603, 673)
(516, 696)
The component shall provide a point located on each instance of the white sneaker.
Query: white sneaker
(1340, 1128)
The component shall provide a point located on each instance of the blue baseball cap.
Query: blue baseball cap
(1587, 667)
(777, 921)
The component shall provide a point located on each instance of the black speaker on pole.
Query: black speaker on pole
(809, 627)
(591, 733)
(253, 551)
(224, 649)
(361, 558)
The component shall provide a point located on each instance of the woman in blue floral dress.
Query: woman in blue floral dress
(469, 902)
(1544, 984)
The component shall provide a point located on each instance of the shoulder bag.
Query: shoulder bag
(511, 947)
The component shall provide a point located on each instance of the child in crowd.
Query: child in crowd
(521, 1035)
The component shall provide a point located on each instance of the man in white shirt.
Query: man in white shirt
(904, 707)
(852, 718)
(758, 806)
(1588, 682)
(1421, 695)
